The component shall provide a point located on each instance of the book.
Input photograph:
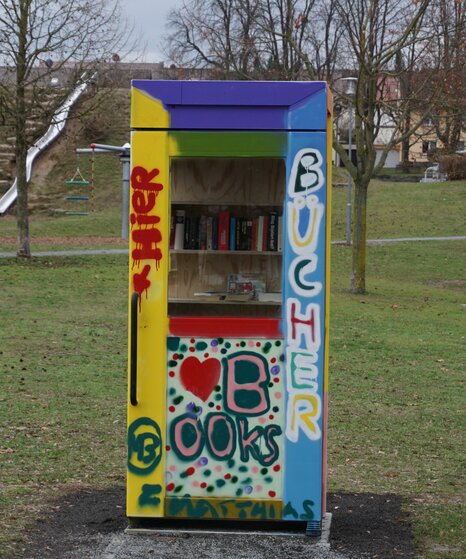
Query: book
(272, 241)
(203, 232)
(178, 237)
(223, 230)
(171, 242)
(232, 232)
(260, 233)
(187, 233)
(210, 238)
(280, 234)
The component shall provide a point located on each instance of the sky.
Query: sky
(148, 18)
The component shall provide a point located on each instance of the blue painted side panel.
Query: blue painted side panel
(304, 314)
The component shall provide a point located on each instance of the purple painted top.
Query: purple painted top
(238, 105)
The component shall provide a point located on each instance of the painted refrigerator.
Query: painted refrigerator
(228, 300)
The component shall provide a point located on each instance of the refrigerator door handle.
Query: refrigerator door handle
(133, 382)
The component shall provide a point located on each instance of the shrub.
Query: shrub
(454, 166)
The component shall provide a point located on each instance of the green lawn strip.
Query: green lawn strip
(397, 210)
(397, 367)
(396, 371)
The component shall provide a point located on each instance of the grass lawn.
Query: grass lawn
(396, 400)
(396, 379)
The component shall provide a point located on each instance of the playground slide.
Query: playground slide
(53, 131)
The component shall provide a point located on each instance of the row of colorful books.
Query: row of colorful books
(226, 231)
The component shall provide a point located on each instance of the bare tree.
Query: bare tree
(255, 39)
(377, 33)
(45, 43)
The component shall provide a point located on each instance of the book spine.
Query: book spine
(203, 232)
(232, 232)
(280, 234)
(195, 233)
(223, 230)
(209, 233)
(215, 233)
(178, 240)
(187, 233)
(260, 233)
(273, 231)
(265, 236)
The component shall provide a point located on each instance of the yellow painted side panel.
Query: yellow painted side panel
(148, 276)
(147, 112)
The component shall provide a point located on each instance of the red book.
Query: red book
(265, 233)
(223, 230)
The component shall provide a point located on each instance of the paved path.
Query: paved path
(103, 251)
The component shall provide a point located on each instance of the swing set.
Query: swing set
(82, 203)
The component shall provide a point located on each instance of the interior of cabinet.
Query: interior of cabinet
(242, 187)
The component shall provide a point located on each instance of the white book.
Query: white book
(179, 229)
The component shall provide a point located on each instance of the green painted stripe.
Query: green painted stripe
(230, 144)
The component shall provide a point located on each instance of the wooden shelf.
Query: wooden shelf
(229, 252)
(217, 302)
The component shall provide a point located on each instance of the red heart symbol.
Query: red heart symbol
(200, 378)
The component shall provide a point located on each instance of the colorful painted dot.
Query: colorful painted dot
(276, 380)
(190, 471)
(211, 404)
(258, 344)
(175, 356)
(271, 416)
(167, 448)
(214, 343)
(231, 463)
(264, 471)
(271, 383)
(207, 473)
(218, 397)
(192, 340)
(172, 468)
(272, 493)
(243, 468)
(178, 399)
(170, 487)
(206, 355)
(183, 347)
(227, 476)
(278, 395)
(254, 469)
(220, 340)
(168, 477)
(172, 408)
(223, 350)
(214, 349)
(275, 370)
(203, 461)
(239, 492)
(218, 408)
(218, 468)
(218, 388)
(220, 482)
(259, 488)
(262, 420)
(228, 345)
(195, 483)
(268, 479)
(278, 343)
(172, 363)
(248, 489)
(171, 374)
(178, 488)
(192, 349)
(203, 485)
(242, 344)
(251, 343)
(180, 356)
(210, 488)
(234, 479)
(276, 468)
(267, 347)
(276, 409)
(282, 357)
(273, 360)
(201, 346)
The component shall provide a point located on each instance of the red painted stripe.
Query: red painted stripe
(225, 327)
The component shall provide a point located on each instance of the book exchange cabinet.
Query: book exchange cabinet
(228, 301)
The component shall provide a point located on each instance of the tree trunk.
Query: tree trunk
(358, 275)
(22, 211)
